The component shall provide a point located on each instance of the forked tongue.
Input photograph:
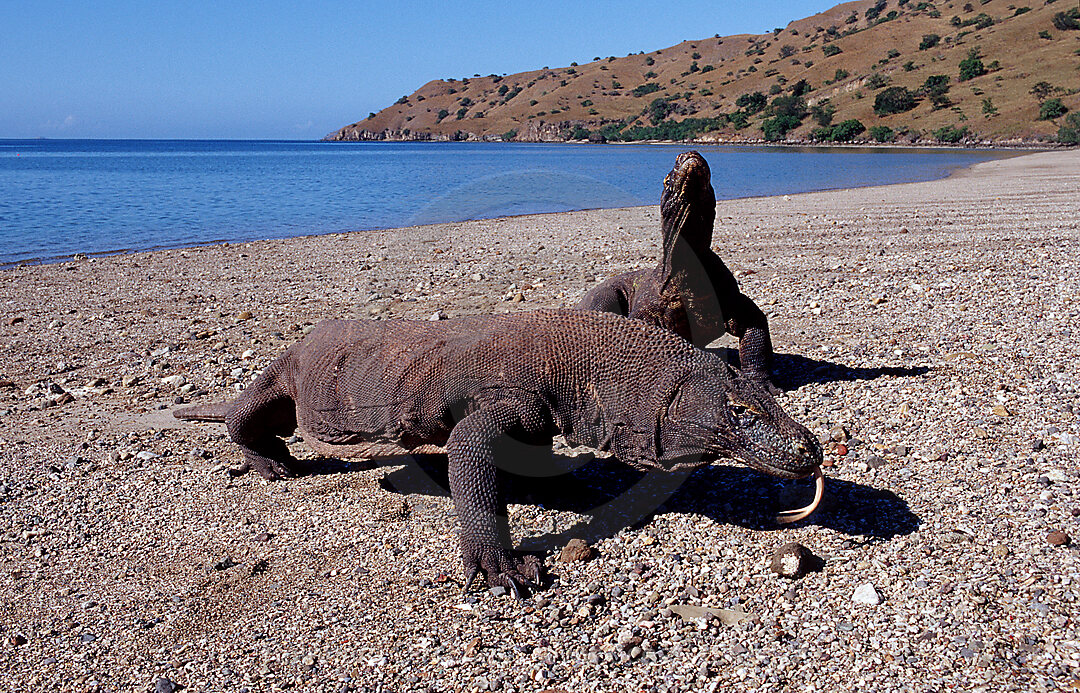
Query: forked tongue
(789, 516)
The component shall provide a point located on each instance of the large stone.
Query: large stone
(866, 593)
(793, 561)
(575, 550)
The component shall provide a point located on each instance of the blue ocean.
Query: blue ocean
(63, 197)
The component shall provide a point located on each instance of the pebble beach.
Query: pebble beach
(925, 332)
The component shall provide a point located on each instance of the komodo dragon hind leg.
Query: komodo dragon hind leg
(473, 447)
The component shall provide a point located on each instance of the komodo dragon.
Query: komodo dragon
(478, 386)
(691, 292)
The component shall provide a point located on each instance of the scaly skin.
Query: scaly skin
(484, 387)
(691, 292)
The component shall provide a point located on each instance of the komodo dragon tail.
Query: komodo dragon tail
(204, 412)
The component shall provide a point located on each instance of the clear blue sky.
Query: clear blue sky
(300, 70)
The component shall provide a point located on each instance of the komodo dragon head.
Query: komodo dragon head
(713, 413)
(687, 205)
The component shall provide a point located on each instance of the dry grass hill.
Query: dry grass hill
(995, 71)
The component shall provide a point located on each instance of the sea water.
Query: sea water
(63, 197)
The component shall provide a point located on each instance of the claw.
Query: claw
(470, 578)
(515, 589)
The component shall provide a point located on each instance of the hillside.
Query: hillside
(907, 71)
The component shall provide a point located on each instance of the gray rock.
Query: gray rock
(164, 685)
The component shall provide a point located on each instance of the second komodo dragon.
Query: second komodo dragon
(691, 292)
(481, 387)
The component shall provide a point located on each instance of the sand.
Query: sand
(924, 331)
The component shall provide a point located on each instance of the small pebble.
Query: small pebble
(1058, 538)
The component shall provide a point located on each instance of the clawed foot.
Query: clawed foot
(270, 468)
(518, 573)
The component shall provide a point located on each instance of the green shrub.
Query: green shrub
(647, 88)
(823, 113)
(509, 135)
(950, 134)
(988, 107)
(1044, 34)
(847, 130)
(875, 10)
(882, 133)
(658, 110)
(777, 127)
(441, 114)
(792, 106)
(830, 50)
(971, 67)
(909, 66)
(739, 119)
(801, 87)
(1042, 90)
(929, 41)
(752, 102)
(1069, 133)
(841, 74)
(578, 133)
(1066, 21)
(787, 50)
(1052, 109)
(821, 134)
(876, 80)
(670, 130)
(894, 100)
(1021, 10)
(936, 88)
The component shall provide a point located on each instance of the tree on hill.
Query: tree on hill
(936, 88)
(894, 100)
(971, 66)
(1069, 133)
(658, 110)
(752, 103)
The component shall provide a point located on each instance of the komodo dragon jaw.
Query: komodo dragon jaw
(737, 419)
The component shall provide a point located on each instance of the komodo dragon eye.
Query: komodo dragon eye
(746, 416)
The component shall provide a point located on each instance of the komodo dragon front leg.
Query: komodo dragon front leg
(748, 323)
(497, 431)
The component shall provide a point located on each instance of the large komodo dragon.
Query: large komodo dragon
(480, 386)
(691, 292)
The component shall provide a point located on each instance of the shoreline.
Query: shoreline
(929, 326)
(97, 254)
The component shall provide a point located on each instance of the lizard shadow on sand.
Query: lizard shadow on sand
(792, 371)
(613, 496)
